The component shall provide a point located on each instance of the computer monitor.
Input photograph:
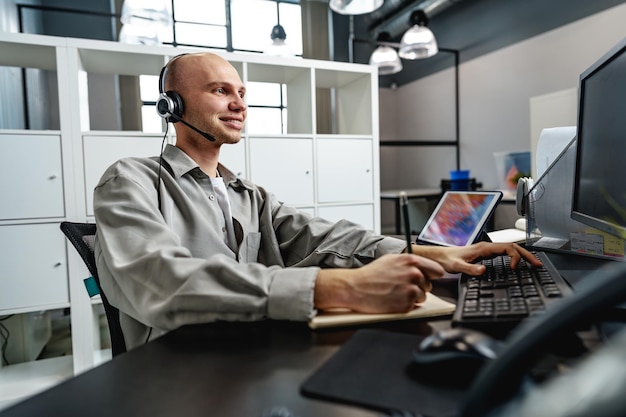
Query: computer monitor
(599, 197)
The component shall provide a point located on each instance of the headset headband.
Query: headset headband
(163, 73)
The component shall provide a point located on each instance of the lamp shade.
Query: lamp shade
(387, 60)
(418, 42)
(143, 21)
(146, 12)
(354, 6)
(278, 47)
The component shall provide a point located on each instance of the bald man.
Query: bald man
(183, 240)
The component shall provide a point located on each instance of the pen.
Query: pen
(404, 202)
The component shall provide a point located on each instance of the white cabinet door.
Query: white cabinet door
(31, 177)
(102, 151)
(360, 214)
(285, 167)
(345, 170)
(34, 271)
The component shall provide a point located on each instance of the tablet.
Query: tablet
(459, 218)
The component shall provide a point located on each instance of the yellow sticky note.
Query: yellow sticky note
(613, 245)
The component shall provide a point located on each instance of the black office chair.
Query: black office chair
(82, 236)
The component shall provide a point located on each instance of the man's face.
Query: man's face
(213, 96)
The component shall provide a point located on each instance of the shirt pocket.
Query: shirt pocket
(250, 247)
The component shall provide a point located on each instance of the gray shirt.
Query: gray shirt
(163, 262)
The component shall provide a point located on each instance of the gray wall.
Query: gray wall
(495, 92)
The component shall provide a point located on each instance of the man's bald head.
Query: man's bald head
(185, 69)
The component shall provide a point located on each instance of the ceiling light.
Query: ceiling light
(419, 41)
(278, 46)
(144, 21)
(354, 6)
(385, 57)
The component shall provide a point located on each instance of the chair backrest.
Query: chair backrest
(82, 236)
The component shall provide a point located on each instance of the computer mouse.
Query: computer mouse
(453, 356)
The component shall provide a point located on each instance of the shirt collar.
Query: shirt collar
(181, 164)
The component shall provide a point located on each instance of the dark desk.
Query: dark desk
(225, 370)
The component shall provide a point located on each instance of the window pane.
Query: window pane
(149, 87)
(264, 121)
(151, 121)
(252, 23)
(204, 23)
(263, 94)
(291, 21)
(201, 35)
(166, 35)
(207, 11)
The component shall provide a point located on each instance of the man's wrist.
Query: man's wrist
(331, 288)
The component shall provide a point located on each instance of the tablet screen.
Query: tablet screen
(459, 217)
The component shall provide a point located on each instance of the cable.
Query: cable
(158, 182)
(148, 337)
(158, 187)
(4, 333)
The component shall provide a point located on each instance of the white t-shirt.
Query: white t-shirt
(222, 198)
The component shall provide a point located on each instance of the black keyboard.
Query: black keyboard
(497, 301)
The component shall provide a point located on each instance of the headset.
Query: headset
(170, 105)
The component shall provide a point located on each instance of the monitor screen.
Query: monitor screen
(599, 198)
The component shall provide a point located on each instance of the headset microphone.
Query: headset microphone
(205, 134)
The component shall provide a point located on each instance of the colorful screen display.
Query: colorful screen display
(459, 217)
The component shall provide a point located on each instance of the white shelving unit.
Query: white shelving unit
(48, 176)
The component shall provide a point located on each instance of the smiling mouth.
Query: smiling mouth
(236, 122)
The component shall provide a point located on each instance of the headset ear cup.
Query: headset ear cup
(170, 103)
(177, 107)
(163, 106)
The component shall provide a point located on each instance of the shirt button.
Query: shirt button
(211, 197)
(224, 229)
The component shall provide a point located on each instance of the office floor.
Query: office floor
(52, 365)
(60, 343)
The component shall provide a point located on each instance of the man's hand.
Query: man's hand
(460, 258)
(390, 284)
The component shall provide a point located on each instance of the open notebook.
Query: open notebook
(432, 307)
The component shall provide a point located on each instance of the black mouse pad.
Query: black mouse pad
(372, 370)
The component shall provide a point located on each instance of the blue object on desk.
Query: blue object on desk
(460, 180)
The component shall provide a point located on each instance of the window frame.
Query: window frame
(282, 107)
